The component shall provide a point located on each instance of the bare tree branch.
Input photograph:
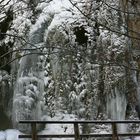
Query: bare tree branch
(102, 25)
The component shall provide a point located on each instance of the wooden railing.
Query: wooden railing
(115, 135)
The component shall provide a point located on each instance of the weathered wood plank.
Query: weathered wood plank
(34, 132)
(76, 131)
(87, 121)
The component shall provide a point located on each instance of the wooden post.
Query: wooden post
(34, 132)
(114, 132)
(76, 131)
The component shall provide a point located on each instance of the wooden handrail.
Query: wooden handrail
(34, 131)
(76, 131)
(76, 134)
(81, 135)
(114, 132)
(75, 121)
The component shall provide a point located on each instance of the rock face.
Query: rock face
(6, 96)
(5, 122)
(5, 24)
(132, 20)
(6, 92)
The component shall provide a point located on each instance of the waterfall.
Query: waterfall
(116, 104)
(29, 88)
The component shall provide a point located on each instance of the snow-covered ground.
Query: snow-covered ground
(136, 138)
(12, 134)
(60, 128)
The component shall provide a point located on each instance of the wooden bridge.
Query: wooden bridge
(77, 136)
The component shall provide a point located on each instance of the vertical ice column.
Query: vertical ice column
(29, 88)
(116, 106)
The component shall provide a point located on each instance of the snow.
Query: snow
(10, 134)
(59, 10)
(54, 6)
(46, 80)
(2, 135)
(7, 3)
(137, 138)
(133, 138)
(60, 128)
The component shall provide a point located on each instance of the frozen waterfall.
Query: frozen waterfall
(116, 105)
(29, 88)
